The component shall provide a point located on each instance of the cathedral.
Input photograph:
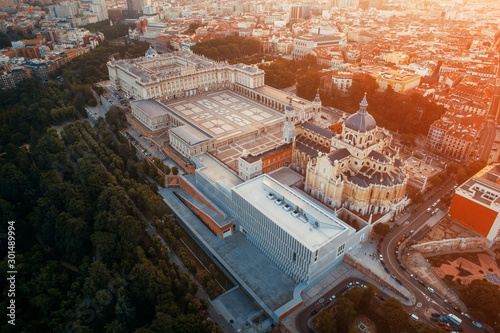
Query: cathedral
(355, 168)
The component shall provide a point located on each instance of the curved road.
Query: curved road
(423, 297)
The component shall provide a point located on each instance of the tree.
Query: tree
(482, 297)
(417, 197)
(381, 229)
(325, 322)
(396, 316)
(175, 170)
(4, 41)
(308, 84)
(345, 313)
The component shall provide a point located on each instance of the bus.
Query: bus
(454, 319)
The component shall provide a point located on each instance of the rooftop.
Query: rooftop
(189, 134)
(313, 227)
(151, 107)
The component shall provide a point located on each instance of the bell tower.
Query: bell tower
(316, 103)
(289, 125)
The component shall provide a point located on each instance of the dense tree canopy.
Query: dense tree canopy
(74, 191)
(304, 72)
(4, 41)
(409, 114)
(227, 48)
(109, 31)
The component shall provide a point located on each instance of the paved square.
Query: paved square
(225, 114)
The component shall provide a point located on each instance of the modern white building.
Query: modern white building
(305, 44)
(297, 234)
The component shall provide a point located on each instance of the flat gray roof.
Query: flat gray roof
(283, 96)
(189, 134)
(151, 107)
(216, 171)
(314, 227)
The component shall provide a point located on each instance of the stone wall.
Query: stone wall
(366, 271)
(456, 244)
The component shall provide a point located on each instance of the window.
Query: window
(341, 250)
(294, 256)
(316, 256)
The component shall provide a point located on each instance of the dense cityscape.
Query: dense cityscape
(250, 166)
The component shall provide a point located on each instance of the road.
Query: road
(424, 298)
(301, 321)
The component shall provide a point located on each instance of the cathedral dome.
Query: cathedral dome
(361, 121)
(151, 52)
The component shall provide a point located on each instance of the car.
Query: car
(412, 231)
(413, 316)
(430, 289)
(393, 276)
(364, 286)
(477, 324)
(428, 210)
(466, 315)
(435, 314)
(387, 270)
(380, 256)
(350, 284)
(332, 298)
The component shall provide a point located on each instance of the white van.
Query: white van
(414, 316)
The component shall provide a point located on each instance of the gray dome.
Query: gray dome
(151, 52)
(361, 121)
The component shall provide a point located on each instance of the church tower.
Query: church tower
(289, 125)
(316, 103)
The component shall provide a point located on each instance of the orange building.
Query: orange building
(250, 166)
(476, 203)
(214, 219)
